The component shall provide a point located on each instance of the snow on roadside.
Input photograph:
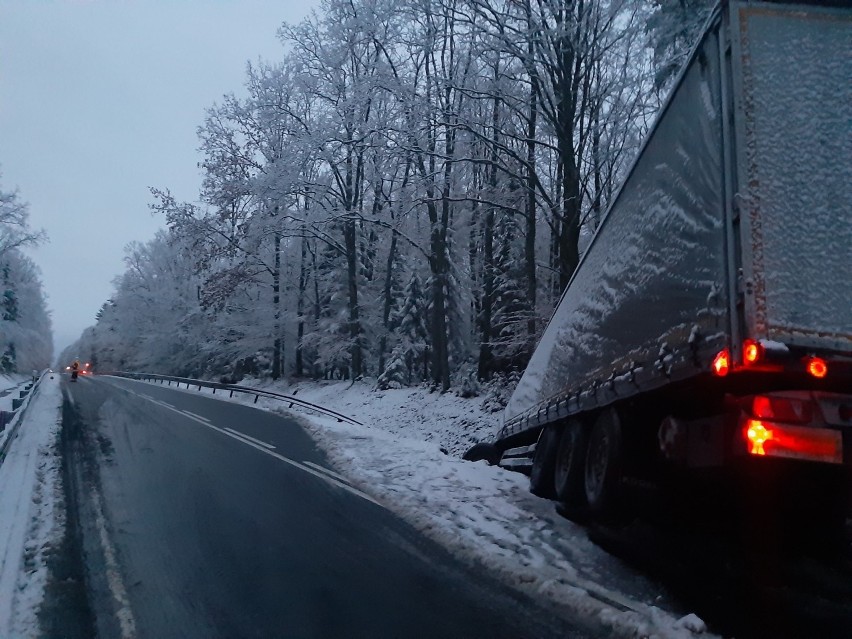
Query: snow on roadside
(30, 517)
(408, 455)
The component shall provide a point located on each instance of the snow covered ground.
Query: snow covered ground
(31, 518)
(408, 455)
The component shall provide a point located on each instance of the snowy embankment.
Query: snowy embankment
(31, 518)
(408, 455)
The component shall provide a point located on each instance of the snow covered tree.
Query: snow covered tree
(511, 344)
(25, 330)
(673, 28)
(15, 231)
(327, 239)
(412, 320)
(26, 335)
(396, 373)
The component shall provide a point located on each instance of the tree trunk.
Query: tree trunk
(383, 343)
(569, 227)
(300, 307)
(530, 237)
(485, 349)
(276, 301)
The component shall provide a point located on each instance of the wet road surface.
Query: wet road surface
(202, 518)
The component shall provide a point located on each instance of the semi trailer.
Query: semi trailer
(708, 325)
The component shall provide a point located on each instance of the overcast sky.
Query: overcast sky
(99, 100)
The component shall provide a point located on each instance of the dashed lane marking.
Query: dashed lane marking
(261, 447)
(300, 466)
(331, 473)
(191, 414)
(250, 438)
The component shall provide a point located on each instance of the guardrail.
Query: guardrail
(235, 388)
(10, 421)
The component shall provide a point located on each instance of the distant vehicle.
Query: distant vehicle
(708, 327)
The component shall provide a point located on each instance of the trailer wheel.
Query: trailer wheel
(544, 463)
(603, 468)
(569, 463)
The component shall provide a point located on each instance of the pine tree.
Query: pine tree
(413, 328)
(511, 308)
(8, 362)
(396, 372)
(458, 322)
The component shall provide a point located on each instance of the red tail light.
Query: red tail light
(752, 352)
(722, 363)
(794, 442)
(782, 409)
(817, 367)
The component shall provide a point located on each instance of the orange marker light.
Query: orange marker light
(757, 435)
(722, 363)
(817, 367)
(752, 351)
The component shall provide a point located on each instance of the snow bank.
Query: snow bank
(30, 517)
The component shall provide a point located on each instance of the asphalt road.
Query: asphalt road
(196, 517)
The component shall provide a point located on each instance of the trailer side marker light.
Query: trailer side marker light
(752, 351)
(722, 363)
(794, 442)
(817, 367)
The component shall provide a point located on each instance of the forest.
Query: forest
(26, 334)
(404, 194)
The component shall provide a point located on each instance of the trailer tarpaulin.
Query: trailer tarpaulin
(653, 277)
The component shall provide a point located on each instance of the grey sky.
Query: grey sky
(99, 100)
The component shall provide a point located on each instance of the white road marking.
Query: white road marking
(248, 437)
(116, 585)
(191, 414)
(308, 470)
(261, 448)
(326, 471)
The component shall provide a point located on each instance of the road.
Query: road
(195, 517)
(744, 579)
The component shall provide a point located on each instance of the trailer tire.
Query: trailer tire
(544, 463)
(569, 463)
(603, 468)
